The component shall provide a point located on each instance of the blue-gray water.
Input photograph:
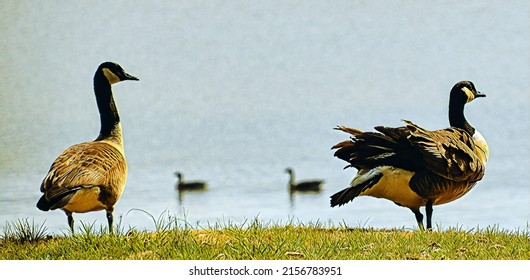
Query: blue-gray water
(233, 92)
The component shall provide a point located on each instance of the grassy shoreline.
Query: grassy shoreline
(23, 240)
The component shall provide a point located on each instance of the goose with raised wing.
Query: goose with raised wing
(91, 176)
(415, 167)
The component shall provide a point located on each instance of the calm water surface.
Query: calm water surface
(235, 92)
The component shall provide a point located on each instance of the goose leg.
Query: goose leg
(110, 219)
(428, 211)
(419, 218)
(70, 220)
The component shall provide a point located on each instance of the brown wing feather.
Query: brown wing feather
(449, 153)
(388, 146)
(352, 131)
(85, 164)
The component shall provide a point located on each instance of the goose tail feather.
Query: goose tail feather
(359, 184)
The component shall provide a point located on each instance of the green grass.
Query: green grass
(176, 240)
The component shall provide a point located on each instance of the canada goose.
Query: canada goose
(307, 186)
(415, 167)
(191, 185)
(91, 176)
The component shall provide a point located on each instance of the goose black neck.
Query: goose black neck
(108, 113)
(291, 178)
(456, 113)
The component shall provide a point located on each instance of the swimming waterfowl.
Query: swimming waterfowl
(308, 185)
(415, 167)
(91, 176)
(191, 185)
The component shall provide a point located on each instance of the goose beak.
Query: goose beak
(130, 77)
(479, 94)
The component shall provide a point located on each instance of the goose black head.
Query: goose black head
(465, 91)
(115, 73)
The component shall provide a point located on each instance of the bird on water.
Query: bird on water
(303, 186)
(189, 185)
(91, 176)
(415, 167)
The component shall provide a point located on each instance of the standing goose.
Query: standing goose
(313, 185)
(415, 167)
(91, 176)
